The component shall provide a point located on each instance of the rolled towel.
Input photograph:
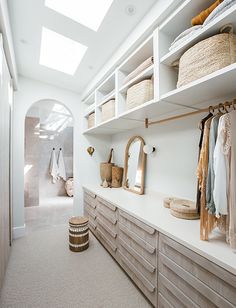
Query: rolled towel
(200, 18)
(139, 69)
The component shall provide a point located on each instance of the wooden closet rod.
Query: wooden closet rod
(219, 107)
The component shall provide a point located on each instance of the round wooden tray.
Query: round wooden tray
(184, 209)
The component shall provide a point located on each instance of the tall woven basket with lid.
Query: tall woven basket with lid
(206, 57)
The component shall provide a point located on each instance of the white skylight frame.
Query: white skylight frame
(60, 52)
(89, 13)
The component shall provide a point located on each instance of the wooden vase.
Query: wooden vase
(106, 172)
(117, 176)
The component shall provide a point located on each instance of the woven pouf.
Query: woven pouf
(78, 234)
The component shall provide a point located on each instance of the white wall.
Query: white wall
(86, 168)
(172, 168)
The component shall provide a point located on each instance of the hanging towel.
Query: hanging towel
(53, 169)
(61, 166)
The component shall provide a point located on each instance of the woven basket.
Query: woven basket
(91, 120)
(139, 94)
(206, 57)
(184, 209)
(108, 110)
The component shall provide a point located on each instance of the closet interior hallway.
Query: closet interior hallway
(117, 153)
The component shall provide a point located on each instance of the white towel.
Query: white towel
(220, 9)
(61, 166)
(53, 169)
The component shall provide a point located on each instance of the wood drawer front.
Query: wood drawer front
(144, 231)
(91, 201)
(107, 243)
(110, 218)
(142, 265)
(90, 210)
(107, 204)
(110, 230)
(187, 284)
(89, 193)
(137, 244)
(149, 290)
(217, 279)
(163, 303)
(173, 296)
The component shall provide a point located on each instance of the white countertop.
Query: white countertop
(149, 209)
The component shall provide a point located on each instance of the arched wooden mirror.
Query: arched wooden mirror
(135, 161)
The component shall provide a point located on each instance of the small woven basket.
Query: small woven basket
(206, 57)
(91, 120)
(184, 209)
(108, 110)
(139, 94)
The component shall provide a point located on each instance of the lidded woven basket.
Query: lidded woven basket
(206, 57)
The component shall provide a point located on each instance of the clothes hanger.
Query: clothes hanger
(221, 106)
(226, 105)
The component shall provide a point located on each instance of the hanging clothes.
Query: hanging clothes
(207, 221)
(228, 142)
(210, 205)
(201, 127)
(61, 166)
(53, 168)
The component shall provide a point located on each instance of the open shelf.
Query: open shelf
(146, 74)
(213, 86)
(209, 30)
(107, 98)
(106, 90)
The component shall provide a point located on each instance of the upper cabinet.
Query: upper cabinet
(145, 84)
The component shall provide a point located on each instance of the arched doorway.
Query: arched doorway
(48, 165)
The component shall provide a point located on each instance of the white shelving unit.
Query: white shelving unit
(168, 100)
(88, 108)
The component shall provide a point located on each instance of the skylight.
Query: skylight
(59, 52)
(89, 13)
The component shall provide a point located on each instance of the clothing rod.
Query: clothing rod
(180, 116)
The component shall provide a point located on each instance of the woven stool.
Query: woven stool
(78, 234)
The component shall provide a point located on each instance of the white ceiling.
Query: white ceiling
(29, 16)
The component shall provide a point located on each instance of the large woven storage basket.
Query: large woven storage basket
(91, 120)
(139, 94)
(108, 110)
(206, 57)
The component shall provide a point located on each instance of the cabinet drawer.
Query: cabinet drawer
(106, 215)
(139, 279)
(147, 251)
(193, 289)
(111, 231)
(214, 283)
(90, 210)
(140, 263)
(107, 204)
(144, 231)
(173, 296)
(90, 201)
(107, 243)
(163, 303)
(89, 193)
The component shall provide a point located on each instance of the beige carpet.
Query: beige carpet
(42, 272)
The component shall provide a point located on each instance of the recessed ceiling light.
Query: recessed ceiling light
(59, 52)
(130, 10)
(89, 13)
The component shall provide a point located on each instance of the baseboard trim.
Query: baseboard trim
(18, 232)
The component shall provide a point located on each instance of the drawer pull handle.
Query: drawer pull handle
(137, 256)
(105, 227)
(89, 193)
(91, 203)
(92, 225)
(147, 284)
(106, 204)
(110, 219)
(109, 243)
(137, 222)
(137, 239)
